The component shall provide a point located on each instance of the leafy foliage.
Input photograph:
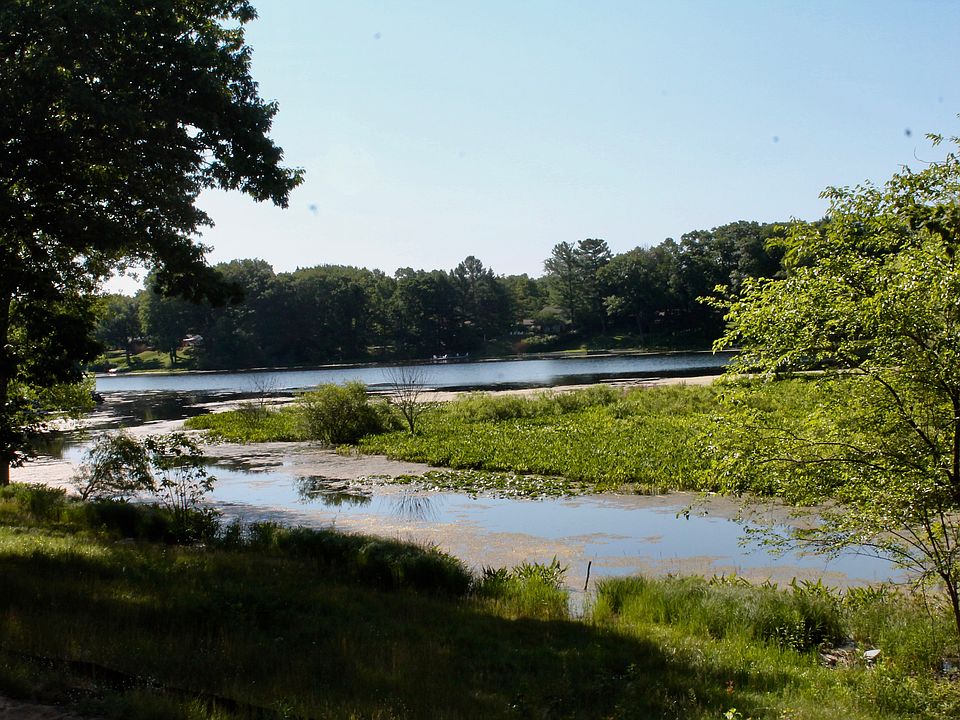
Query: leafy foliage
(340, 414)
(116, 116)
(115, 466)
(871, 293)
(170, 468)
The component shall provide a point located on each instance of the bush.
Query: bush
(41, 502)
(117, 466)
(342, 414)
(151, 523)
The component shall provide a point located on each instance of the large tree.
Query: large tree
(873, 293)
(573, 275)
(116, 115)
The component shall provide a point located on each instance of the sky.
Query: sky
(430, 131)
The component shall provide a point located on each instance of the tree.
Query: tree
(167, 320)
(592, 256)
(406, 383)
(871, 294)
(117, 114)
(118, 323)
(483, 303)
(563, 274)
(573, 272)
(640, 283)
(423, 313)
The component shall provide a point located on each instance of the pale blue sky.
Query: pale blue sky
(430, 131)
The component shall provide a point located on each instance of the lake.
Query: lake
(488, 374)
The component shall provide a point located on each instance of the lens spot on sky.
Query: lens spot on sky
(376, 36)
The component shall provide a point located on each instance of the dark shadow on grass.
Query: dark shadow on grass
(252, 628)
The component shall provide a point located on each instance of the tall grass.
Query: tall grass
(784, 629)
(272, 622)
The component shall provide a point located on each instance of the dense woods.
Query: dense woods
(334, 313)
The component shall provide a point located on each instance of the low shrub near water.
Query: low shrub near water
(332, 414)
(383, 564)
(36, 503)
(342, 414)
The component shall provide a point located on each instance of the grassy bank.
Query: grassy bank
(264, 621)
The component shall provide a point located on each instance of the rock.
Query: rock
(871, 656)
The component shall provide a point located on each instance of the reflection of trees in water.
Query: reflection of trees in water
(331, 492)
(51, 444)
(411, 506)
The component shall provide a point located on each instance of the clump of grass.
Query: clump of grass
(31, 503)
(799, 619)
(374, 562)
(250, 425)
(533, 590)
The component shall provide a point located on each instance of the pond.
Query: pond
(441, 375)
(303, 484)
(614, 534)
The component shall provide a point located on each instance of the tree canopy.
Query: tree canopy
(117, 114)
(871, 293)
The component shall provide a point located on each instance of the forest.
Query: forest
(645, 297)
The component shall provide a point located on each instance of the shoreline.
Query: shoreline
(423, 362)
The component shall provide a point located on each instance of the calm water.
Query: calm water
(617, 534)
(455, 375)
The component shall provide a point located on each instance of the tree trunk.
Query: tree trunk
(6, 373)
(954, 594)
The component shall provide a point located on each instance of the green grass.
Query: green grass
(146, 361)
(597, 440)
(560, 443)
(251, 424)
(266, 621)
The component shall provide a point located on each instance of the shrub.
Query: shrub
(170, 467)
(151, 523)
(342, 414)
(41, 502)
(116, 466)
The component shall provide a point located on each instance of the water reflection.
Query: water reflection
(416, 507)
(330, 492)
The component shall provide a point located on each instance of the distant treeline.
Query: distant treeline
(332, 313)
